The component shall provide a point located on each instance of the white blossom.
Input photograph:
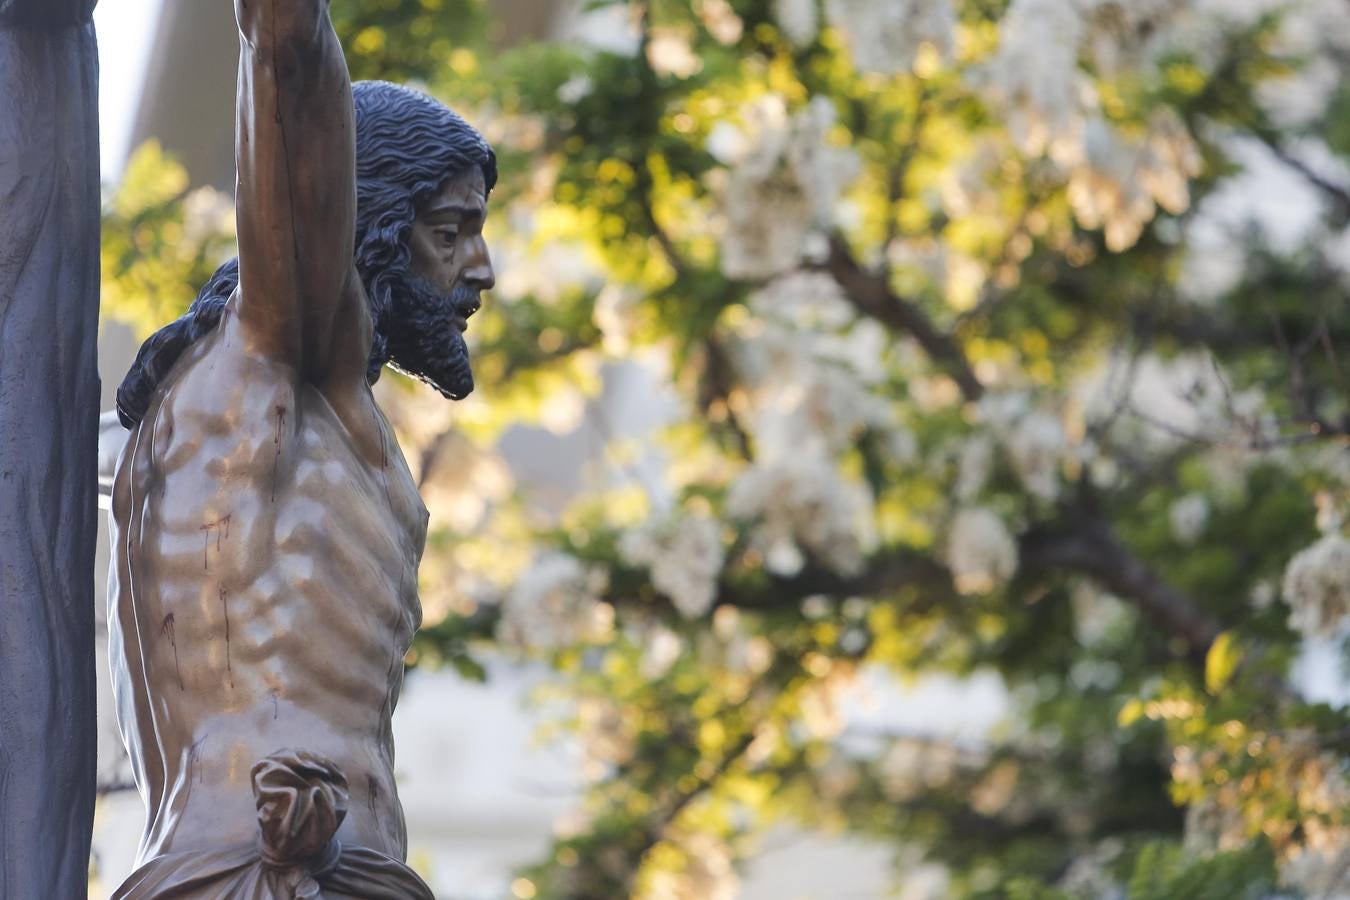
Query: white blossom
(1000, 410)
(721, 20)
(545, 267)
(1335, 252)
(1320, 866)
(1317, 863)
(805, 301)
(1035, 75)
(974, 462)
(555, 603)
(1123, 180)
(1090, 875)
(980, 551)
(606, 737)
(748, 654)
(809, 367)
(1033, 438)
(613, 315)
(970, 184)
(963, 281)
(1087, 673)
(458, 495)
(575, 89)
(1316, 32)
(708, 872)
(1036, 445)
(669, 53)
(1188, 517)
(784, 188)
(206, 212)
(1126, 32)
(1096, 615)
(885, 36)
(1330, 510)
(661, 648)
(799, 20)
(911, 766)
(1262, 595)
(563, 412)
(685, 557)
(823, 170)
(900, 446)
(1317, 586)
(822, 714)
(768, 221)
(822, 413)
(802, 503)
(1321, 874)
(1211, 824)
(727, 143)
(609, 28)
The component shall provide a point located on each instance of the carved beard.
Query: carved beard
(423, 339)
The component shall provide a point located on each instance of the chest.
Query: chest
(352, 477)
(239, 441)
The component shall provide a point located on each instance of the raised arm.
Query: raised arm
(296, 199)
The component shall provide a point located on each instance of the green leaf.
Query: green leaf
(1130, 712)
(469, 668)
(1221, 662)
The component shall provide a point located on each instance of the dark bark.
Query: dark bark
(1089, 546)
(49, 391)
(873, 297)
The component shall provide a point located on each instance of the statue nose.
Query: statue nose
(481, 277)
(479, 271)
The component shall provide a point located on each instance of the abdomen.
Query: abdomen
(264, 599)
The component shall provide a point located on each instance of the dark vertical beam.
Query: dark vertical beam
(49, 389)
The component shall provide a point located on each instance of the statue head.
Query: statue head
(423, 176)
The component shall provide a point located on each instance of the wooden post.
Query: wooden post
(49, 391)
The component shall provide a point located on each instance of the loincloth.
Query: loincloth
(301, 800)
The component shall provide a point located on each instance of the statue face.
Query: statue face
(446, 241)
(448, 271)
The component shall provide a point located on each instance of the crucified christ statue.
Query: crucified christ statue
(267, 531)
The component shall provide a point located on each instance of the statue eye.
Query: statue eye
(446, 236)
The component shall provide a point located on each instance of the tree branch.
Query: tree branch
(873, 297)
(896, 175)
(1088, 545)
(1082, 544)
(661, 820)
(897, 570)
(1338, 196)
(715, 386)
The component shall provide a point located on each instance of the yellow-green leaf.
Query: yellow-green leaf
(1221, 662)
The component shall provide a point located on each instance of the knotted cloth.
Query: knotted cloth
(301, 800)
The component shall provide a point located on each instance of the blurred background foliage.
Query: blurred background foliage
(974, 363)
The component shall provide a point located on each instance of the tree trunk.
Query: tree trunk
(49, 390)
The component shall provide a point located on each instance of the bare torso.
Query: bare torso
(264, 593)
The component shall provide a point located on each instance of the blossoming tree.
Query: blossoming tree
(977, 353)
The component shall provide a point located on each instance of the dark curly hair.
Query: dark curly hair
(407, 146)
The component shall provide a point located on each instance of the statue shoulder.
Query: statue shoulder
(221, 389)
